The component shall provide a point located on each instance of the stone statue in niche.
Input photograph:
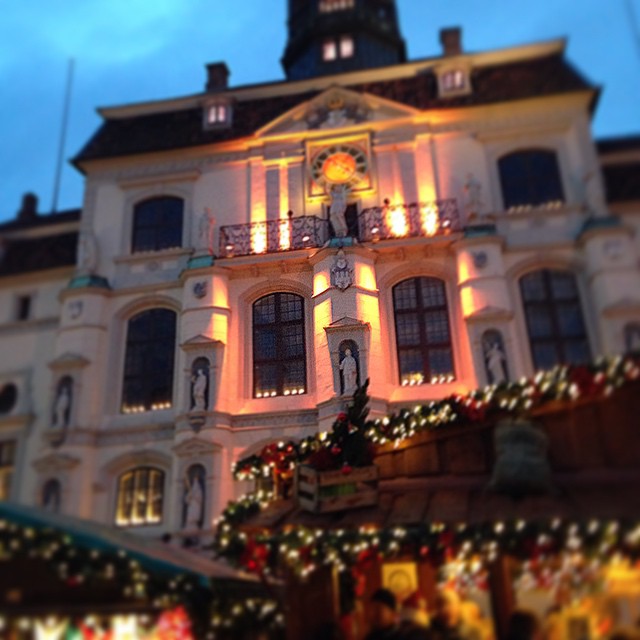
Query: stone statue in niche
(199, 386)
(338, 194)
(473, 194)
(205, 230)
(348, 368)
(495, 358)
(51, 497)
(341, 271)
(62, 404)
(87, 253)
(193, 500)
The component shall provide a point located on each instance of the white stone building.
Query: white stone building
(210, 308)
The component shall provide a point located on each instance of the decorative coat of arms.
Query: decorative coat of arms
(200, 289)
(341, 272)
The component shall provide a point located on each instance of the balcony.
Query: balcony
(418, 219)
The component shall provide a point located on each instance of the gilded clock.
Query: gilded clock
(339, 164)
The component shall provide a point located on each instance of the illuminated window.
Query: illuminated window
(279, 361)
(328, 6)
(422, 331)
(453, 80)
(217, 113)
(329, 50)
(555, 324)
(157, 224)
(140, 497)
(530, 178)
(148, 364)
(346, 47)
(7, 461)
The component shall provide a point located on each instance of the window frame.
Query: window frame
(551, 304)
(423, 346)
(136, 228)
(148, 405)
(134, 488)
(280, 325)
(529, 152)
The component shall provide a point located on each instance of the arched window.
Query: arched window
(157, 224)
(140, 497)
(555, 324)
(148, 365)
(279, 363)
(52, 495)
(422, 330)
(530, 177)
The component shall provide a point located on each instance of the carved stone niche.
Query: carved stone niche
(353, 335)
(201, 379)
(55, 471)
(65, 391)
(194, 483)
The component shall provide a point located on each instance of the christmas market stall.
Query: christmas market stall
(525, 494)
(62, 578)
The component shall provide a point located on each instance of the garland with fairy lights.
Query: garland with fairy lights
(351, 436)
(201, 608)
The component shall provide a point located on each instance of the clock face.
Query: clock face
(339, 164)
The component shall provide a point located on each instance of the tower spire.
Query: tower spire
(334, 36)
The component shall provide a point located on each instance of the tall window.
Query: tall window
(157, 224)
(555, 324)
(422, 330)
(530, 177)
(140, 497)
(279, 363)
(148, 365)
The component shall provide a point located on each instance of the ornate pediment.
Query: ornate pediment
(55, 463)
(336, 108)
(68, 361)
(346, 322)
(489, 313)
(200, 341)
(194, 447)
(623, 307)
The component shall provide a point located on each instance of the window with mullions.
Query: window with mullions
(140, 497)
(157, 224)
(422, 330)
(555, 324)
(279, 363)
(149, 359)
(530, 178)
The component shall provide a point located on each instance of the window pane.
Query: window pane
(407, 329)
(437, 326)
(540, 322)
(404, 295)
(410, 361)
(545, 355)
(265, 344)
(157, 224)
(432, 291)
(570, 320)
(563, 285)
(532, 286)
(440, 361)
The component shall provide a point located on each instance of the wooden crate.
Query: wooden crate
(326, 491)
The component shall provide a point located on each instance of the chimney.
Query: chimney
(451, 41)
(217, 76)
(29, 209)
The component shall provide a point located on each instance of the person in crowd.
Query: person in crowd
(447, 620)
(384, 616)
(524, 625)
(414, 617)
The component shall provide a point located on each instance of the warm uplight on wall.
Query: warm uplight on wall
(259, 238)
(397, 221)
(284, 234)
(320, 282)
(429, 215)
(366, 277)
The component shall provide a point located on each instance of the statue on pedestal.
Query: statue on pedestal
(193, 498)
(198, 391)
(206, 225)
(349, 369)
(339, 194)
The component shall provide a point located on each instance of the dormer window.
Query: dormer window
(217, 114)
(334, 48)
(453, 81)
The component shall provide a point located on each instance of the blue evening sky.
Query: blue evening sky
(137, 50)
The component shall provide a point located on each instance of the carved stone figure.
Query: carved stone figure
(193, 499)
(473, 193)
(200, 289)
(349, 368)
(494, 357)
(341, 272)
(62, 407)
(205, 230)
(199, 390)
(87, 253)
(339, 194)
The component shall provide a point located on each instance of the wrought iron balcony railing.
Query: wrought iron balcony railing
(273, 236)
(418, 219)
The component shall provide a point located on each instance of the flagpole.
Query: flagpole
(63, 136)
